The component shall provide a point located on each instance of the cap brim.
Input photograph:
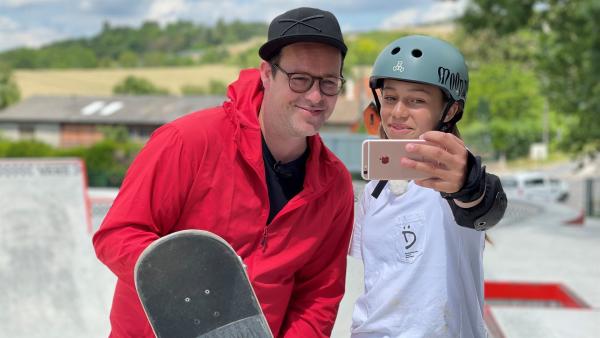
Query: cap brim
(270, 48)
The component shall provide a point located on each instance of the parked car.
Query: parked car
(535, 186)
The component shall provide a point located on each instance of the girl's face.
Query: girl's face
(409, 109)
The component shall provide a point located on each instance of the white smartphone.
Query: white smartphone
(381, 160)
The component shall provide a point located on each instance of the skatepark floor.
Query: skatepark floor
(532, 244)
(56, 279)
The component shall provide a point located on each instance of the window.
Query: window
(534, 182)
(26, 132)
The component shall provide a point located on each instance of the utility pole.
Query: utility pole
(545, 124)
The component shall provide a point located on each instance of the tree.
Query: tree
(362, 51)
(501, 16)
(69, 55)
(504, 106)
(20, 58)
(568, 60)
(133, 85)
(248, 58)
(9, 91)
(485, 46)
(571, 64)
(214, 55)
(149, 44)
(128, 59)
(215, 87)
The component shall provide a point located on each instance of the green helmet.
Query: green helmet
(423, 59)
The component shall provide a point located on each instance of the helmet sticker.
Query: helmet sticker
(398, 67)
(452, 81)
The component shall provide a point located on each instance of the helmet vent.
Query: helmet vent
(417, 53)
(395, 50)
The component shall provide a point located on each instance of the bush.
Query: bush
(9, 91)
(215, 87)
(133, 85)
(191, 90)
(28, 148)
(106, 161)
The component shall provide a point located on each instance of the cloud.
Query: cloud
(40, 21)
(7, 24)
(444, 10)
(165, 11)
(22, 3)
(20, 37)
(207, 13)
(111, 8)
(424, 12)
(404, 18)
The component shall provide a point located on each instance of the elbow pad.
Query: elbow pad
(490, 210)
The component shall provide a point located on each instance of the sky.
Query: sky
(33, 23)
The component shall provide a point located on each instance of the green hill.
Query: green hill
(182, 43)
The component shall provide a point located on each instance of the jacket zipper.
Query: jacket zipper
(263, 242)
(286, 209)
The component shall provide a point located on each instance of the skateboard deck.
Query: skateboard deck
(193, 284)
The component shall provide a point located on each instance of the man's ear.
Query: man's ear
(453, 110)
(265, 73)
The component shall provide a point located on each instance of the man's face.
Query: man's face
(291, 114)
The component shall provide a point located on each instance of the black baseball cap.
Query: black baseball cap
(303, 24)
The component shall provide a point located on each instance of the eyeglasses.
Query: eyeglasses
(302, 82)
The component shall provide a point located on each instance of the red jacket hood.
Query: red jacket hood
(246, 95)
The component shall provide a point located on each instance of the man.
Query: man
(255, 172)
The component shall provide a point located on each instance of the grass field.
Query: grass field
(99, 82)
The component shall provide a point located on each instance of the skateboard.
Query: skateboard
(193, 284)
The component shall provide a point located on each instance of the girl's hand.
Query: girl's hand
(445, 160)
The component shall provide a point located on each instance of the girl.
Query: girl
(422, 241)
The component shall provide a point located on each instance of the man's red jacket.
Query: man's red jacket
(205, 171)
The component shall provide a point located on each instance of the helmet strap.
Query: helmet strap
(446, 127)
(377, 103)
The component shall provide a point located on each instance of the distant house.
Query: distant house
(72, 121)
(344, 117)
(77, 120)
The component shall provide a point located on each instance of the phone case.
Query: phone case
(381, 160)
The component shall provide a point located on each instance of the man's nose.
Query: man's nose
(314, 93)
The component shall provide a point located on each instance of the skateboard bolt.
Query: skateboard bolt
(207, 291)
(187, 299)
(216, 314)
(197, 321)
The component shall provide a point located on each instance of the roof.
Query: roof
(147, 110)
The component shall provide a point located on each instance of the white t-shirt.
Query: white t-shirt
(423, 272)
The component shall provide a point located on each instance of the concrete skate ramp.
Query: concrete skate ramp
(51, 284)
